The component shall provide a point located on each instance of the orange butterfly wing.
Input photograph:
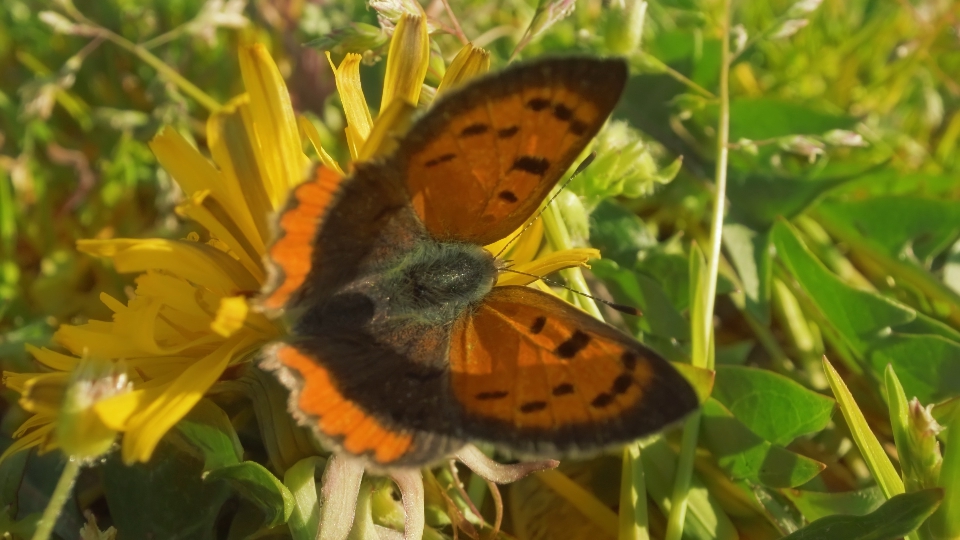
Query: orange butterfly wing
(538, 375)
(483, 159)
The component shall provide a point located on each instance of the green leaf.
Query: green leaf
(300, 479)
(164, 498)
(259, 486)
(904, 227)
(927, 366)
(749, 251)
(896, 518)
(817, 504)
(877, 460)
(859, 316)
(618, 233)
(209, 434)
(635, 289)
(771, 405)
(705, 519)
(744, 455)
(768, 118)
(758, 200)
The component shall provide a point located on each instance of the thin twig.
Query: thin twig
(456, 23)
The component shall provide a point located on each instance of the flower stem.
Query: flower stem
(60, 495)
(704, 326)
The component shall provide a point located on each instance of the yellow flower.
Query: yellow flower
(188, 320)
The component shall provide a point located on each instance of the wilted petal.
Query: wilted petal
(488, 469)
(338, 497)
(410, 483)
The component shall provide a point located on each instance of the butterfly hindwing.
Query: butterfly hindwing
(537, 375)
(483, 158)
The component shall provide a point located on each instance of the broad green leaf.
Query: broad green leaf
(300, 479)
(771, 405)
(927, 366)
(11, 475)
(877, 460)
(769, 118)
(208, 433)
(618, 233)
(859, 316)
(757, 200)
(896, 518)
(260, 487)
(904, 227)
(635, 289)
(744, 455)
(749, 251)
(817, 504)
(165, 498)
(705, 519)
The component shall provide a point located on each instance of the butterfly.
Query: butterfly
(401, 349)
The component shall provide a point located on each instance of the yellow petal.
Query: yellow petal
(387, 130)
(51, 359)
(407, 61)
(233, 311)
(36, 437)
(548, 264)
(43, 393)
(469, 62)
(310, 130)
(276, 125)
(215, 218)
(196, 262)
(147, 427)
(233, 144)
(115, 412)
(351, 96)
(522, 249)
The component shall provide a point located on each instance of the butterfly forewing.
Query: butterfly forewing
(483, 159)
(537, 374)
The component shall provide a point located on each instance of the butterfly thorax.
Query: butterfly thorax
(435, 282)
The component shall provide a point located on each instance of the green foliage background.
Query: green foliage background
(836, 243)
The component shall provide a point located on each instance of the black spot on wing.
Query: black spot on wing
(576, 343)
(629, 360)
(538, 325)
(507, 196)
(562, 389)
(496, 394)
(602, 400)
(533, 406)
(538, 104)
(438, 160)
(506, 133)
(474, 129)
(622, 383)
(531, 164)
(562, 112)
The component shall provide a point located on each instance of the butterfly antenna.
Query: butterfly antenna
(583, 165)
(629, 310)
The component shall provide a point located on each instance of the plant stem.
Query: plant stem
(59, 497)
(704, 326)
(143, 54)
